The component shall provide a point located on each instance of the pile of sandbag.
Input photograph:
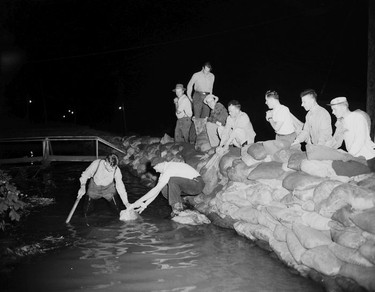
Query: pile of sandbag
(314, 217)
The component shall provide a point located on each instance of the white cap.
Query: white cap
(338, 100)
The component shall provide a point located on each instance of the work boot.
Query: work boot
(176, 209)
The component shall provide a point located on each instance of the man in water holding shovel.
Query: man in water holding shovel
(175, 178)
(105, 182)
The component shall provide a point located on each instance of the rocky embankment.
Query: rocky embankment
(322, 226)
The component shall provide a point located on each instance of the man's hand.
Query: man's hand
(269, 115)
(175, 100)
(296, 142)
(81, 192)
(141, 208)
(219, 123)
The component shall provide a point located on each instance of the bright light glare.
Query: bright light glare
(30, 101)
(120, 107)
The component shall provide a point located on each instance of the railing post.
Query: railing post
(97, 147)
(46, 149)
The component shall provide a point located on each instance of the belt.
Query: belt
(286, 134)
(203, 92)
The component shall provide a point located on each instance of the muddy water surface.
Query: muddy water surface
(102, 253)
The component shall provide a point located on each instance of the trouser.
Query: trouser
(239, 134)
(95, 192)
(287, 140)
(200, 110)
(115, 204)
(212, 134)
(176, 185)
(181, 132)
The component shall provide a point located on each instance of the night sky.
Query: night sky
(93, 56)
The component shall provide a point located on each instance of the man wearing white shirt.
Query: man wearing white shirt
(175, 178)
(183, 114)
(355, 130)
(280, 119)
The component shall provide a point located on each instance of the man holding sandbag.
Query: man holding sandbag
(105, 182)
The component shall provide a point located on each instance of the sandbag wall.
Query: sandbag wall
(322, 226)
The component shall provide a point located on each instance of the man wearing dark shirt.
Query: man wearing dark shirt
(217, 118)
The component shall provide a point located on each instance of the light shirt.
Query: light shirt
(183, 108)
(103, 177)
(202, 82)
(317, 129)
(242, 122)
(281, 114)
(177, 169)
(357, 136)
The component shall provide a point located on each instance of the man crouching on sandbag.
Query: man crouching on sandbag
(105, 182)
(175, 178)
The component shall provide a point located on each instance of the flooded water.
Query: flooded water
(151, 254)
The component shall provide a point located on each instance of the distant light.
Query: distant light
(72, 112)
(63, 116)
(120, 107)
(68, 111)
(30, 101)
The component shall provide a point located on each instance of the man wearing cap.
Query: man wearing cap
(217, 118)
(238, 130)
(203, 82)
(354, 128)
(175, 178)
(183, 113)
(280, 119)
(317, 129)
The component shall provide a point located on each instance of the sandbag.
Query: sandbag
(322, 259)
(310, 237)
(365, 220)
(301, 181)
(304, 195)
(316, 221)
(239, 171)
(202, 143)
(253, 231)
(350, 168)
(342, 215)
(279, 194)
(280, 233)
(295, 247)
(368, 183)
(282, 252)
(259, 194)
(362, 275)
(320, 152)
(368, 250)
(129, 215)
(295, 160)
(267, 170)
(349, 255)
(320, 168)
(357, 197)
(247, 214)
(308, 206)
(257, 151)
(323, 190)
(246, 157)
(349, 237)
(227, 160)
(286, 216)
(191, 217)
(273, 146)
(265, 219)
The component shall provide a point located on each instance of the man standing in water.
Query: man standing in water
(175, 178)
(105, 182)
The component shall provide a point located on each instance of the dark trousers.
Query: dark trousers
(200, 110)
(177, 185)
(114, 203)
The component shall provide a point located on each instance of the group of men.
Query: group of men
(230, 128)
(223, 129)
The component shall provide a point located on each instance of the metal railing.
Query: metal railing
(47, 151)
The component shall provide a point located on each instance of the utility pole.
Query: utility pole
(370, 106)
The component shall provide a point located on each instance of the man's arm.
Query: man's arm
(325, 128)
(212, 84)
(86, 175)
(189, 88)
(142, 203)
(302, 137)
(120, 187)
